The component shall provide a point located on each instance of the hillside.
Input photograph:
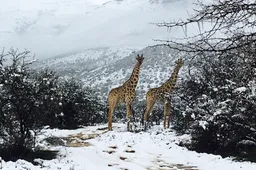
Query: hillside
(105, 68)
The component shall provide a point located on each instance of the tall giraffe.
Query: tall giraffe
(161, 93)
(125, 93)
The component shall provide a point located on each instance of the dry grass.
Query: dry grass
(113, 147)
(123, 158)
(104, 128)
(78, 144)
(113, 164)
(78, 140)
(110, 152)
(162, 165)
(130, 151)
(83, 136)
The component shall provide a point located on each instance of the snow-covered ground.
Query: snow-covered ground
(54, 27)
(118, 149)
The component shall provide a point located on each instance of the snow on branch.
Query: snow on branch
(232, 26)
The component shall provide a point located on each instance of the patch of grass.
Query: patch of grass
(13, 153)
(78, 144)
(103, 128)
(130, 151)
(113, 147)
(55, 141)
(113, 164)
(110, 152)
(246, 156)
(42, 154)
(123, 158)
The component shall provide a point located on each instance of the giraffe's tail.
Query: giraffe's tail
(142, 116)
(107, 108)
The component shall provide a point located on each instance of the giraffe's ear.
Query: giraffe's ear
(142, 57)
(179, 61)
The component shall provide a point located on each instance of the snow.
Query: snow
(119, 149)
(203, 124)
(247, 142)
(1, 163)
(253, 87)
(240, 89)
(193, 116)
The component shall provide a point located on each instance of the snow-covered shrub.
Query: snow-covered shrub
(46, 85)
(79, 105)
(29, 100)
(216, 105)
(17, 103)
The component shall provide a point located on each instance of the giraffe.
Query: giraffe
(162, 93)
(125, 93)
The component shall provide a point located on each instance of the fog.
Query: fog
(55, 27)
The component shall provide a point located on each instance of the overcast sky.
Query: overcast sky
(53, 27)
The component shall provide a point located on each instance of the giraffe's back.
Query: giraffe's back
(122, 94)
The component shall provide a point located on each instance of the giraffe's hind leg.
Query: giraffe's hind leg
(167, 110)
(112, 101)
(169, 113)
(169, 120)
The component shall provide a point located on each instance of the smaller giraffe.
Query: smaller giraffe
(125, 93)
(161, 93)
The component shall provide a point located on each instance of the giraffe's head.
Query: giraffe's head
(179, 62)
(140, 58)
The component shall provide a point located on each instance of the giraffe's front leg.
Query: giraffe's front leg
(167, 110)
(129, 115)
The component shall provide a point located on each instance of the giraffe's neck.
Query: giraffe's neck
(169, 85)
(133, 80)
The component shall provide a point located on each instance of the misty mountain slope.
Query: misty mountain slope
(76, 65)
(105, 68)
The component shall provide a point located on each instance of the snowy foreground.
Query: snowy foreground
(153, 150)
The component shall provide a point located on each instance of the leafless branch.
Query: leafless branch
(232, 27)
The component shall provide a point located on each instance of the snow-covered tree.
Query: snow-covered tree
(30, 100)
(16, 103)
(216, 103)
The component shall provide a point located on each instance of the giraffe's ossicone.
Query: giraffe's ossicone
(125, 93)
(160, 94)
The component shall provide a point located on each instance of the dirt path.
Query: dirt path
(125, 155)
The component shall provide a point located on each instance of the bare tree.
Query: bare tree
(232, 28)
